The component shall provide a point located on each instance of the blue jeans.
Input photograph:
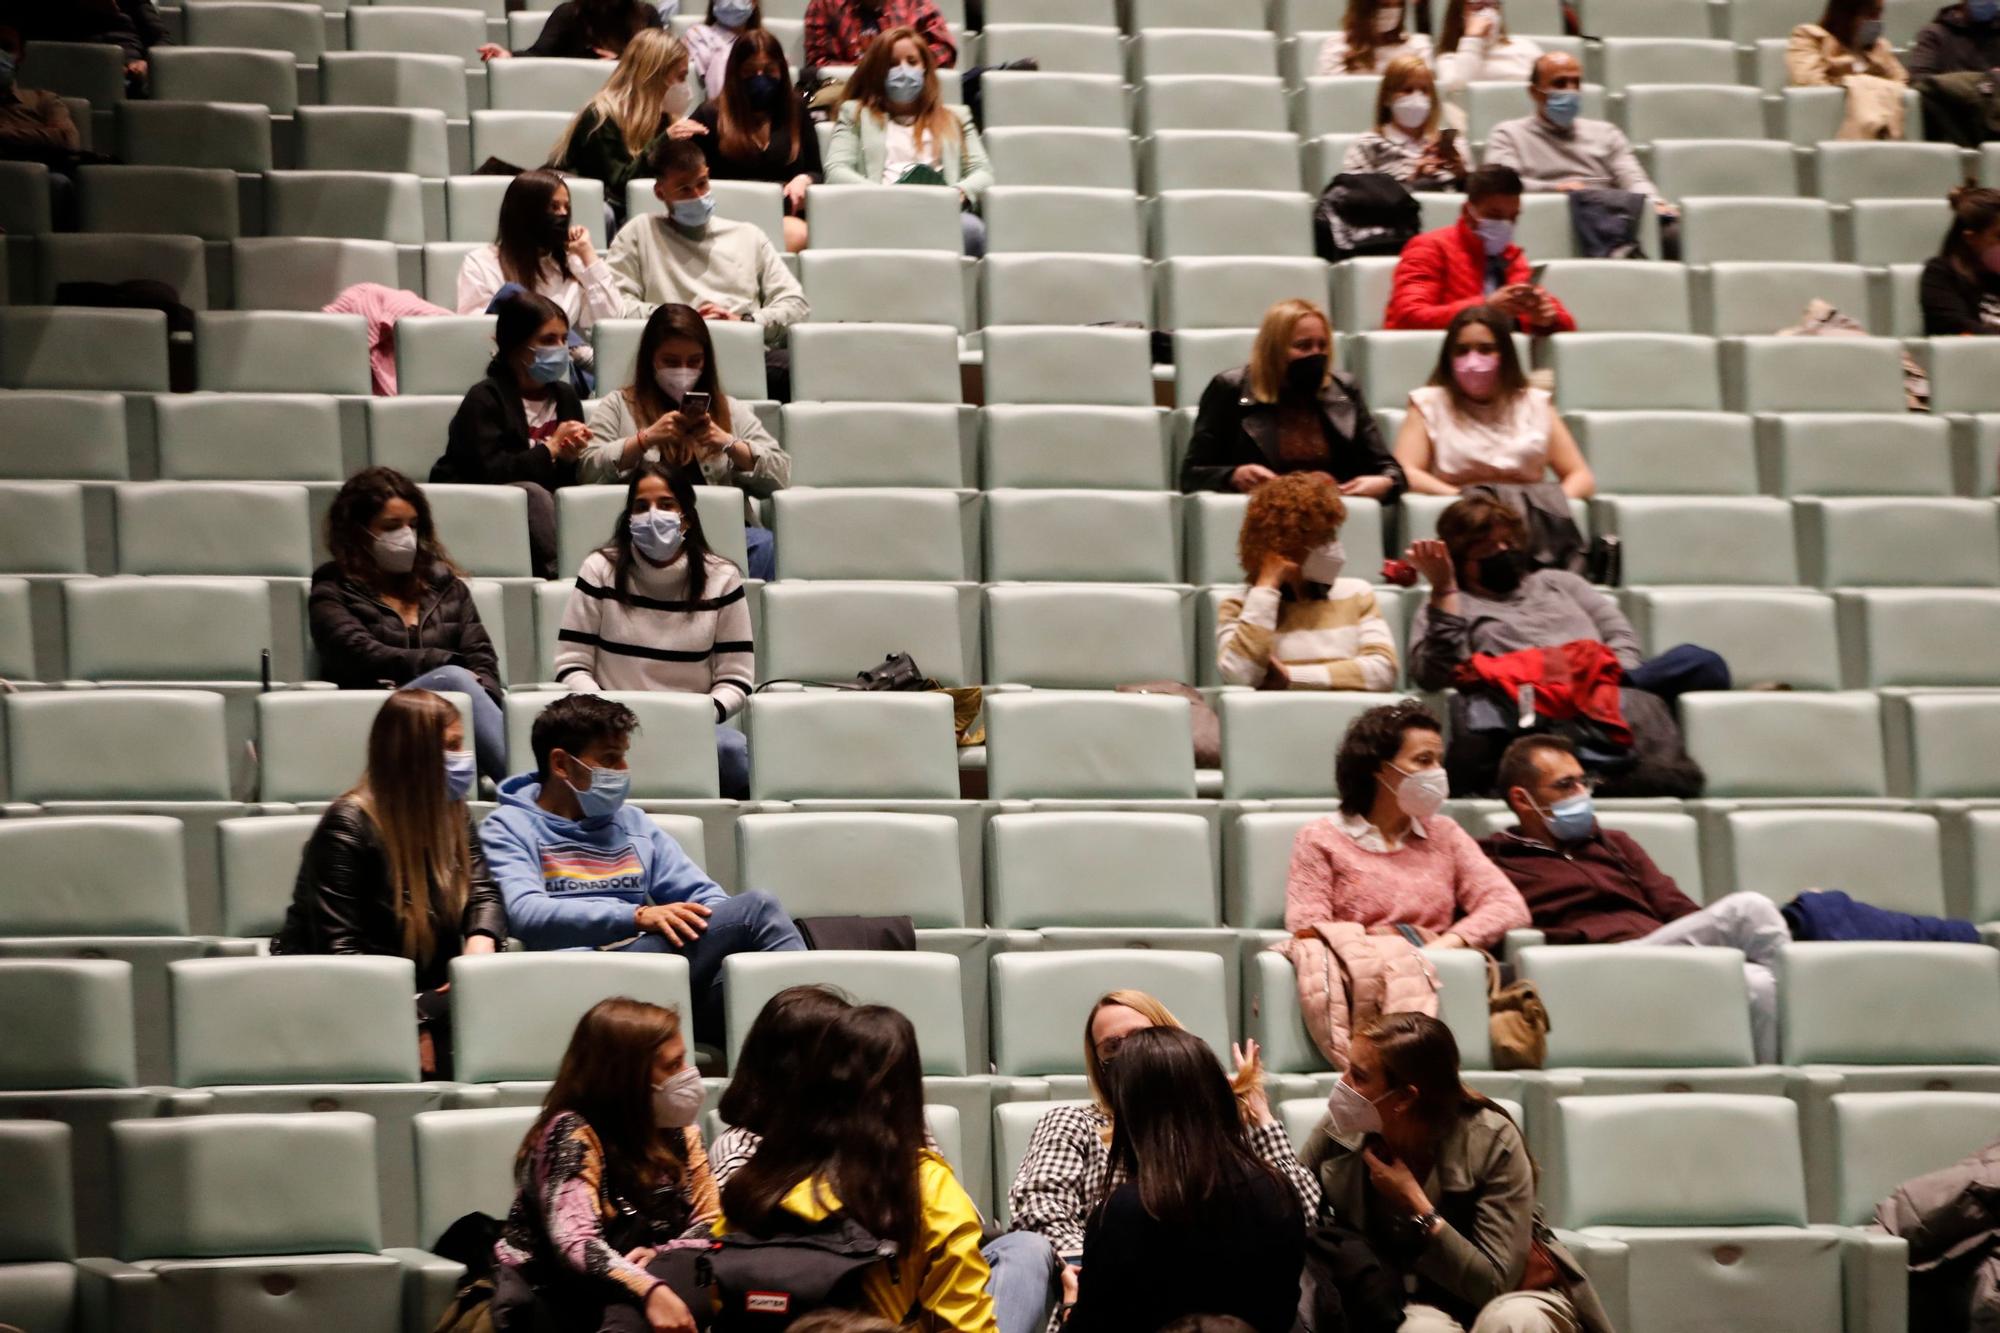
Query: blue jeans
(1682, 669)
(1023, 1286)
(763, 553)
(972, 228)
(750, 922)
(489, 724)
(732, 759)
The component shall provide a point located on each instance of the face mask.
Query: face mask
(550, 364)
(731, 13)
(1867, 33)
(7, 67)
(1982, 11)
(1350, 1115)
(1990, 257)
(766, 91)
(396, 552)
(1305, 375)
(1476, 372)
(1502, 571)
(657, 534)
(1561, 107)
(679, 100)
(1411, 110)
(1496, 234)
(675, 381)
(459, 771)
(1571, 820)
(1323, 563)
(606, 792)
(558, 241)
(692, 214)
(1388, 19)
(904, 84)
(677, 1102)
(1422, 792)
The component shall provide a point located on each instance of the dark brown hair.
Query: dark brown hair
(643, 394)
(1362, 39)
(1452, 30)
(606, 1077)
(576, 722)
(1420, 1053)
(1513, 380)
(776, 1052)
(522, 236)
(736, 120)
(1517, 765)
(1478, 518)
(521, 317)
(1842, 19)
(1493, 179)
(1176, 1130)
(1372, 740)
(694, 542)
(352, 545)
(425, 839)
(1973, 209)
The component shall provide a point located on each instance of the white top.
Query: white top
(541, 412)
(709, 45)
(1466, 451)
(1333, 54)
(585, 299)
(1482, 59)
(901, 151)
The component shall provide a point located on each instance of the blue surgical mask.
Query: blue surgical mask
(1867, 34)
(692, 214)
(1496, 234)
(550, 364)
(731, 13)
(1572, 820)
(8, 66)
(461, 770)
(1561, 107)
(903, 84)
(607, 791)
(1982, 11)
(657, 534)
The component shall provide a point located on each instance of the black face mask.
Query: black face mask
(765, 91)
(1503, 571)
(558, 237)
(1305, 376)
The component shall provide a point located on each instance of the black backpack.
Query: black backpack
(765, 1282)
(1364, 213)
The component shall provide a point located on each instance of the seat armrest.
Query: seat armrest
(115, 1297)
(429, 1283)
(1517, 940)
(1607, 1263)
(1874, 1279)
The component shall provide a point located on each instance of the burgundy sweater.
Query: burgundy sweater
(1602, 890)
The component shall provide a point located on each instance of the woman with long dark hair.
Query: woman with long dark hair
(710, 42)
(523, 424)
(655, 609)
(1438, 1182)
(587, 30)
(1192, 1221)
(393, 868)
(1372, 34)
(849, 1143)
(770, 1066)
(540, 248)
(612, 1171)
(390, 609)
(1960, 292)
(758, 129)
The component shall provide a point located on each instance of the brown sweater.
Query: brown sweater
(35, 126)
(1602, 890)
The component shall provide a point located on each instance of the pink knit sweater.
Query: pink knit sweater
(1442, 882)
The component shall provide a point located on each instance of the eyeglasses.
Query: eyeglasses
(1107, 1050)
(1578, 785)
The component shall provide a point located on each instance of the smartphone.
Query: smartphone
(695, 405)
(1535, 274)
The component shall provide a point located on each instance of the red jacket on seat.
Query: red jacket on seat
(1444, 271)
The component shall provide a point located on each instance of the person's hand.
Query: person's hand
(494, 51)
(1517, 299)
(666, 1312)
(1367, 488)
(1568, 187)
(681, 923)
(795, 192)
(1665, 209)
(1276, 571)
(1069, 1284)
(569, 439)
(604, 53)
(1451, 939)
(1247, 1058)
(136, 69)
(1393, 1181)
(686, 128)
(1479, 22)
(710, 310)
(714, 441)
(1250, 476)
(1544, 307)
(478, 944)
(579, 246)
(1433, 561)
(642, 1256)
(1275, 677)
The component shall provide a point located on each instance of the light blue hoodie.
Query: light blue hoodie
(573, 884)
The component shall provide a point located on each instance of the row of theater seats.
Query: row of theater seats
(1810, 1132)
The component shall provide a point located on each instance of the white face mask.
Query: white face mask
(396, 551)
(1388, 19)
(675, 381)
(1350, 1115)
(1324, 562)
(1411, 110)
(677, 1102)
(1421, 793)
(679, 100)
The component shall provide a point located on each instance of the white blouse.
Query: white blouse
(1333, 55)
(586, 295)
(1513, 447)
(1484, 60)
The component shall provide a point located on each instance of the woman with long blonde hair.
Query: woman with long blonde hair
(894, 129)
(1407, 144)
(1288, 410)
(1062, 1175)
(393, 868)
(645, 98)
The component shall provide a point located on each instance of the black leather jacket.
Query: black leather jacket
(1232, 429)
(364, 645)
(341, 901)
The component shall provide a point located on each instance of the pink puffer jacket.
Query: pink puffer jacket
(1349, 975)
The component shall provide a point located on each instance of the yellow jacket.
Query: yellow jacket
(940, 1285)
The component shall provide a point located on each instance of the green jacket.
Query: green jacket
(598, 151)
(860, 148)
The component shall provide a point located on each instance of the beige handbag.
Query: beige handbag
(1517, 1022)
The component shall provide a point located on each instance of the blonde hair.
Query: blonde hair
(1402, 75)
(1272, 351)
(635, 97)
(867, 87)
(1156, 1015)
(424, 840)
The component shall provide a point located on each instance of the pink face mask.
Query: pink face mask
(1477, 372)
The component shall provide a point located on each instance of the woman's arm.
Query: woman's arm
(1374, 456)
(617, 442)
(1806, 64)
(479, 277)
(1048, 1195)
(1217, 446)
(704, 1195)
(1488, 903)
(843, 155)
(577, 640)
(1244, 628)
(1614, 631)
(1578, 482)
(770, 466)
(349, 649)
(1373, 666)
(953, 1290)
(975, 169)
(1414, 452)
(570, 1186)
(337, 878)
(1314, 876)
(733, 664)
(485, 905)
(1489, 1262)
(1951, 307)
(1270, 1142)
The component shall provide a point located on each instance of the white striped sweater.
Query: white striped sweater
(653, 638)
(1339, 643)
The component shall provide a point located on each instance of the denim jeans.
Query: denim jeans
(763, 554)
(732, 759)
(1751, 922)
(972, 227)
(1023, 1286)
(489, 725)
(750, 922)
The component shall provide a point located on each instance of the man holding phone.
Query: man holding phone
(1474, 261)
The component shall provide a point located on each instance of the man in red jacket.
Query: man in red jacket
(1587, 884)
(1472, 262)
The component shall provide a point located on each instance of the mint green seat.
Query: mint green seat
(830, 864)
(1063, 155)
(524, 138)
(252, 1033)
(259, 861)
(18, 654)
(68, 347)
(1704, 540)
(913, 535)
(1088, 636)
(408, 433)
(1256, 859)
(1053, 746)
(1361, 288)
(1741, 296)
(1034, 445)
(1065, 289)
(485, 528)
(1202, 354)
(374, 138)
(1200, 48)
(1070, 101)
(130, 631)
(1888, 859)
(1083, 536)
(1056, 364)
(1851, 171)
(228, 528)
(442, 354)
(1881, 1139)
(1689, 110)
(1668, 453)
(1680, 57)
(1280, 745)
(1220, 160)
(226, 74)
(1656, 372)
(234, 136)
(1962, 377)
(465, 1163)
(1869, 542)
(544, 84)
(1801, 747)
(877, 285)
(1767, 635)
(179, 262)
(395, 78)
(1072, 45)
(38, 1280)
(419, 29)
(1038, 219)
(1858, 454)
(1700, 168)
(1923, 637)
(875, 444)
(364, 205)
(842, 363)
(1231, 293)
(1619, 295)
(885, 217)
(827, 631)
(673, 753)
(1939, 744)
(1753, 229)
(313, 744)
(305, 273)
(1894, 231)
(62, 436)
(513, 1013)
(1210, 102)
(884, 746)
(1771, 374)
(201, 437)
(1233, 221)
(281, 351)
(1013, 1129)
(1334, 104)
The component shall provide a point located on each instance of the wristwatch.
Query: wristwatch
(1427, 1226)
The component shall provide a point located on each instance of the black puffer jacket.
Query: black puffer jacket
(341, 900)
(364, 645)
(1952, 43)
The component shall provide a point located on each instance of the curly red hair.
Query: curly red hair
(1288, 517)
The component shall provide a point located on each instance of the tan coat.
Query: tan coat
(1874, 80)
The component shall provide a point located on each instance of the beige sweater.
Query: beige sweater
(612, 424)
(728, 264)
(1340, 643)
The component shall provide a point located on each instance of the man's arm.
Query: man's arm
(1663, 896)
(781, 302)
(1417, 296)
(537, 918)
(1622, 164)
(628, 271)
(1503, 149)
(677, 879)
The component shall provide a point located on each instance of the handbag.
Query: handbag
(1517, 1021)
(765, 1282)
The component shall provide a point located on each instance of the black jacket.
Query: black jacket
(565, 36)
(1955, 304)
(341, 901)
(1952, 43)
(363, 643)
(1232, 429)
(488, 441)
(776, 164)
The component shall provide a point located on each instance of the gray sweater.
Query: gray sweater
(1593, 152)
(1550, 607)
